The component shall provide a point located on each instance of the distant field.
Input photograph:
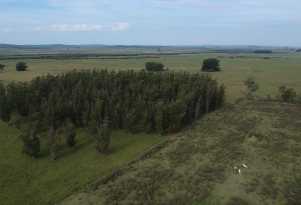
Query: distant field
(42, 181)
(270, 70)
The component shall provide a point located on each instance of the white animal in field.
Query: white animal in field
(244, 166)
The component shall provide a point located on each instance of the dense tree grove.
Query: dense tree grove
(135, 101)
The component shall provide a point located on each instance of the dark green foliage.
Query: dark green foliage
(287, 94)
(53, 143)
(103, 137)
(21, 66)
(4, 105)
(211, 65)
(31, 143)
(154, 66)
(2, 67)
(162, 102)
(70, 134)
(142, 101)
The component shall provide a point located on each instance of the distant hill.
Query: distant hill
(12, 49)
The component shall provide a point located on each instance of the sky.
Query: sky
(151, 22)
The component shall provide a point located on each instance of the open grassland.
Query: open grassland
(196, 167)
(28, 181)
(269, 70)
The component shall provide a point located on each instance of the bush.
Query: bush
(154, 66)
(211, 65)
(2, 67)
(252, 87)
(31, 144)
(287, 94)
(70, 134)
(21, 66)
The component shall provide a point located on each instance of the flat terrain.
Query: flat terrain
(197, 165)
(28, 181)
(269, 70)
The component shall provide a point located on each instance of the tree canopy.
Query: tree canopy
(21, 66)
(160, 102)
(2, 67)
(211, 65)
(154, 66)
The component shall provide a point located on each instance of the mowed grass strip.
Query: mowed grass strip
(28, 181)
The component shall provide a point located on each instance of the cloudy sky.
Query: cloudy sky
(152, 22)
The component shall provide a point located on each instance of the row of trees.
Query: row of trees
(209, 65)
(135, 101)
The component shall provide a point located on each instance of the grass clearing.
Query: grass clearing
(39, 182)
(197, 167)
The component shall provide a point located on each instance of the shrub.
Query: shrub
(2, 67)
(154, 66)
(70, 134)
(252, 87)
(21, 66)
(287, 94)
(211, 65)
(31, 144)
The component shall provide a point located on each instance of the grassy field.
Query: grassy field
(28, 181)
(40, 182)
(197, 166)
(277, 70)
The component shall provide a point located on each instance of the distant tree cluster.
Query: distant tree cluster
(21, 66)
(154, 66)
(263, 51)
(2, 67)
(161, 102)
(211, 65)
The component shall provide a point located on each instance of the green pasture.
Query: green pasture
(270, 70)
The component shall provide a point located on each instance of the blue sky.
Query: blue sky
(151, 22)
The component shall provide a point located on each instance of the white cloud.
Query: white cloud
(118, 26)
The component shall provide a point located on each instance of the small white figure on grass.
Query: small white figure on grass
(244, 166)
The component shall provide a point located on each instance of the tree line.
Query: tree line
(141, 101)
